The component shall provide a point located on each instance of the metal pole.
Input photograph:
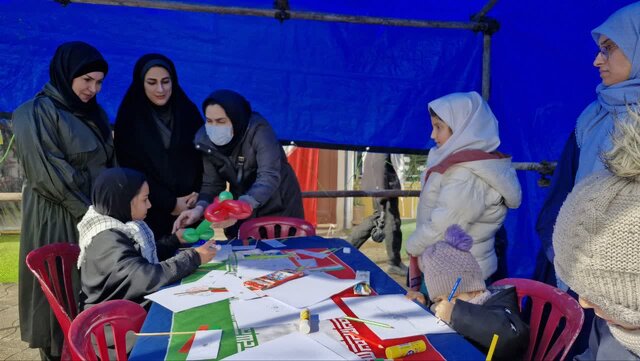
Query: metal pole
(485, 9)
(486, 66)
(271, 13)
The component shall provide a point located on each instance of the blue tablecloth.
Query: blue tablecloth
(451, 346)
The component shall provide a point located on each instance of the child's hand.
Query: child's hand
(207, 251)
(416, 296)
(443, 310)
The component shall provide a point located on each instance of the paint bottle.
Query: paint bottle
(405, 349)
(305, 325)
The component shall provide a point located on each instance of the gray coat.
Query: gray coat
(602, 345)
(61, 154)
(264, 174)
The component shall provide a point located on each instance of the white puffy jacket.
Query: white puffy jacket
(474, 195)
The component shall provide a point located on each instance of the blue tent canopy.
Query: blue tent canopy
(342, 85)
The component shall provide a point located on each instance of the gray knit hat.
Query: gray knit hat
(446, 260)
(597, 233)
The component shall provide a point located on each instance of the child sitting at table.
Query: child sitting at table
(118, 257)
(467, 181)
(474, 311)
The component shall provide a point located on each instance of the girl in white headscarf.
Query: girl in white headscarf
(466, 182)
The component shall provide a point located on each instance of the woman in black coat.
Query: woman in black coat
(154, 133)
(239, 147)
(63, 142)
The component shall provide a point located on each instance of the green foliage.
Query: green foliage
(9, 248)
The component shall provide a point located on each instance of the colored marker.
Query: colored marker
(492, 348)
(369, 322)
(455, 288)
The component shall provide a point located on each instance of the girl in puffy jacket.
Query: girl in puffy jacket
(467, 182)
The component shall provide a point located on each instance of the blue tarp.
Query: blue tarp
(338, 84)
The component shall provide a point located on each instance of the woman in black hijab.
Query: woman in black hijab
(63, 142)
(118, 258)
(239, 147)
(154, 133)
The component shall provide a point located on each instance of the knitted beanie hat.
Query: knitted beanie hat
(597, 233)
(446, 260)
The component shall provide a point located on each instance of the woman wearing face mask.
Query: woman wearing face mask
(240, 147)
(118, 258)
(618, 62)
(63, 142)
(154, 133)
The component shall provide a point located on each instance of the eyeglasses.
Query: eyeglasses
(607, 49)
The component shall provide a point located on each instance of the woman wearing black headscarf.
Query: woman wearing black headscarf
(118, 258)
(63, 142)
(240, 147)
(154, 133)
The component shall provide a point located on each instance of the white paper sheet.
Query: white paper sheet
(236, 287)
(205, 345)
(318, 255)
(222, 254)
(262, 312)
(274, 243)
(289, 347)
(248, 268)
(307, 262)
(334, 345)
(310, 289)
(325, 310)
(245, 248)
(197, 294)
(268, 311)
(406, 317)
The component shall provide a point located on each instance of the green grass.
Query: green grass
(9, 247)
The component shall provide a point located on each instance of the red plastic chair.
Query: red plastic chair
(52, 265)
(562, 306)
(121, 315)
(275, 227)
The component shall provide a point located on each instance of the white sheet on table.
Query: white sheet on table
(222, 254)
(205, 345)
(169, 298)
(307, 262)
(274, 243)
(268, 311)
(319, 255)
(245, 248)
(253, 268)
(294, 346)
(406, 317)
(310, 289)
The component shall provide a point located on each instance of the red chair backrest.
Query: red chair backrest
(52, 265)
(275, 227)
(121, 315)
(562, 306)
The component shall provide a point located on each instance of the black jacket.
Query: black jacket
(114, 269)
(171, 172)
(257, 167)
(498, 315)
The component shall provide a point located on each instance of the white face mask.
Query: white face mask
(219, 134)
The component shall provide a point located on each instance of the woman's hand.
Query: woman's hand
(224, 224)
(185, 202)
(443, 310)
(416, 296)
(207, 251)
(187, 218)
(179, 234)
(192, 199)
